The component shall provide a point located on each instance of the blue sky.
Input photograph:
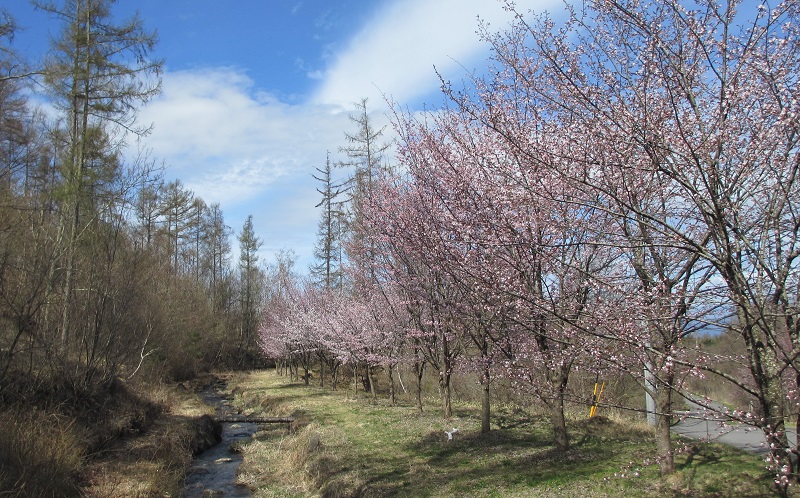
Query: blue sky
(256, 92)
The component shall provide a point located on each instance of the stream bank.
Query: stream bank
(213, 471)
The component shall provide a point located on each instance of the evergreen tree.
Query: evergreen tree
(251, 288)
(98, 72)
(327, 271)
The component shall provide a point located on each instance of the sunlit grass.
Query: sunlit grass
(346, 447)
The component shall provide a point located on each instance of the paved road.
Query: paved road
(743, 437)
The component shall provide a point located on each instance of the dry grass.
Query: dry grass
(345, 447)
(152, 463)
(114, 440)
(40, 454)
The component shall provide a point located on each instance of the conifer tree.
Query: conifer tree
(98, 72)
(365, 154)
(327, 271)
(251, 280)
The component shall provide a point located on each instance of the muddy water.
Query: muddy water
(213, 472)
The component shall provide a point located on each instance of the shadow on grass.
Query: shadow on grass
(492, 462)
(271, 403)
(293, 385)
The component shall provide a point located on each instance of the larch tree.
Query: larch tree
(98, 72)
(147, 209)
(328, 252)
(216, 257)
(251, 283)
(365, 155)
(176, 214)
(197, 234)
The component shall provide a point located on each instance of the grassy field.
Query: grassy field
(350, 447)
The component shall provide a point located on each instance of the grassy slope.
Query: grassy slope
(345, 447)
(152, 463)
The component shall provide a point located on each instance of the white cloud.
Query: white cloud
(395, 53)
(228, 141)
(243, 148)
(235, 144)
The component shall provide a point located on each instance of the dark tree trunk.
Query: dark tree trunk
(560, 436)
(485, 402)
(334, 376)
(444, 386)
(420, 369)
(558, 380)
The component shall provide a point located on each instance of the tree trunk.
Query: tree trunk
(797, 423)
(485, 402)
(420, 369)
(392, 400)
(666, 458)
(444, 385)
(371, 381)
(772, 406)
(558, 380)
(560, 436)
(766, 372)
(355, 381)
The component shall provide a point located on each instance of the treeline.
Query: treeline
(106, 269)
(616, 185)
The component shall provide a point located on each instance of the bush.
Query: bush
(40, 455)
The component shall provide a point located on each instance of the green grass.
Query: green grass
(377, 450)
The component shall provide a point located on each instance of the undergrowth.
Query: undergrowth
(106, 440)
(40, 454)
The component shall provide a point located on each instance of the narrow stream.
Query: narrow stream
(213, 472)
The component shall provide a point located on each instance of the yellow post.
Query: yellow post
(596, 398)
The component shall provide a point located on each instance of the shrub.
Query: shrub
(40, 455)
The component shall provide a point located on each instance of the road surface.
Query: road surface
(693, 425)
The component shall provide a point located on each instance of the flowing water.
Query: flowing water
(213, 472)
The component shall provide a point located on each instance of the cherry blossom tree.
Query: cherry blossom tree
(679, 120)
(405, 237)
(360, 333)
(474, 262)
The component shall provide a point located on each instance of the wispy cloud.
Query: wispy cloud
(253, 152)
(233, 144)
(229, 140)
(395, 53)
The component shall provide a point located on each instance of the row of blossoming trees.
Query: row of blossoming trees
(618, 182)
